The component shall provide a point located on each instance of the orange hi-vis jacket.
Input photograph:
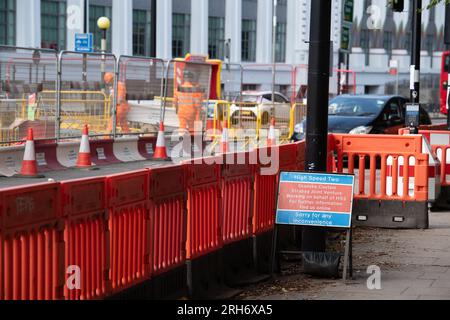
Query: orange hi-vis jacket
(122, 107)
(189, 99)
(121, 93)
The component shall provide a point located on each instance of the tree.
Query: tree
(436, 2)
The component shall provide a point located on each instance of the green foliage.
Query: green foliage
(436, 2)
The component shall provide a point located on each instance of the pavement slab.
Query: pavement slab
(415, 265)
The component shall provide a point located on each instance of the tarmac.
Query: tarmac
(414, 265)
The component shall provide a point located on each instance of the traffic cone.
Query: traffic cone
(225, 147)
(84, 156)
(160, 150)
(272, 139)
(29, 164)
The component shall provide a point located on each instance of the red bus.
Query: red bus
(444, 80)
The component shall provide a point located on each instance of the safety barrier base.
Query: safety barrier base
(391, 214)
(171, 285)
(168, 286)
(142, 291)
(262, 252)
(289, 238)
(206, 278)
(239, 265)
(443, 202)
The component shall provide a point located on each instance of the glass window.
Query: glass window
(181, 32)
(53, 24)
(280, 47)
(8, 22)
(141, 32)
(96, 12)
(216, 41)
(249, 40)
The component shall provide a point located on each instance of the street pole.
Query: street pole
(153, 9)
(339, 73)
(85, 31)
(415, 55)
(313, 239)
(447, 42)
(86, 16)
(274, 43)
(104, 24)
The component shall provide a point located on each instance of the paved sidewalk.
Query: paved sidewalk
(415, 265)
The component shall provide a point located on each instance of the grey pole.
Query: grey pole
(274, 43)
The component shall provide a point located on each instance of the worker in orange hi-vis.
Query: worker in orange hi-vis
(188, 102)
(122, 104)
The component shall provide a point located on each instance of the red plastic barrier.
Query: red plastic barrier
(237, 200)
(86, 237)
(102, 152)
(168, 214)
(204, 207)
(265, 194)
(146, 147)
(32, 247)
(288, 155)
(264, 203)
(301, 155)
(46, 157)
(129, 226)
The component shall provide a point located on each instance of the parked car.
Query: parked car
(247, 106)
(365, 114)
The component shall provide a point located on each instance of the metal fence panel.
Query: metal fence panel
(143, 79)
(87, 84)
(186, 95)
(232, 77)
(26, 78)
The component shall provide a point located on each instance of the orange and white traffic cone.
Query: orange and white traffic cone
(161, 150)
(84, 156)
(224, 146)
(272, 139)
(29, 164)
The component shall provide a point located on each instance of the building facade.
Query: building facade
(243, 28)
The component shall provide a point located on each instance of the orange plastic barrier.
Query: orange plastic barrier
(237, 199)
(356, 150)
(168, 214)
(83, 204)
(440, 143)
(129, 224)
(31, 247)
(204, 210)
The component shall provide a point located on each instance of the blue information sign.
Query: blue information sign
(313, 199)
(84, 42)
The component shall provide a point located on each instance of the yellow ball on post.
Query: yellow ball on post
(104, 23)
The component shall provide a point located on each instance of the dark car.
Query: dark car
(365, 114)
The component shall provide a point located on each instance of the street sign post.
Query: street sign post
(84, 42)
(316, 200)
(347, 25)
(413, 117)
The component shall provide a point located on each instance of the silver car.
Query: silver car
(251, 103)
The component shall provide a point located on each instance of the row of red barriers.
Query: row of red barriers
(94, 238)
